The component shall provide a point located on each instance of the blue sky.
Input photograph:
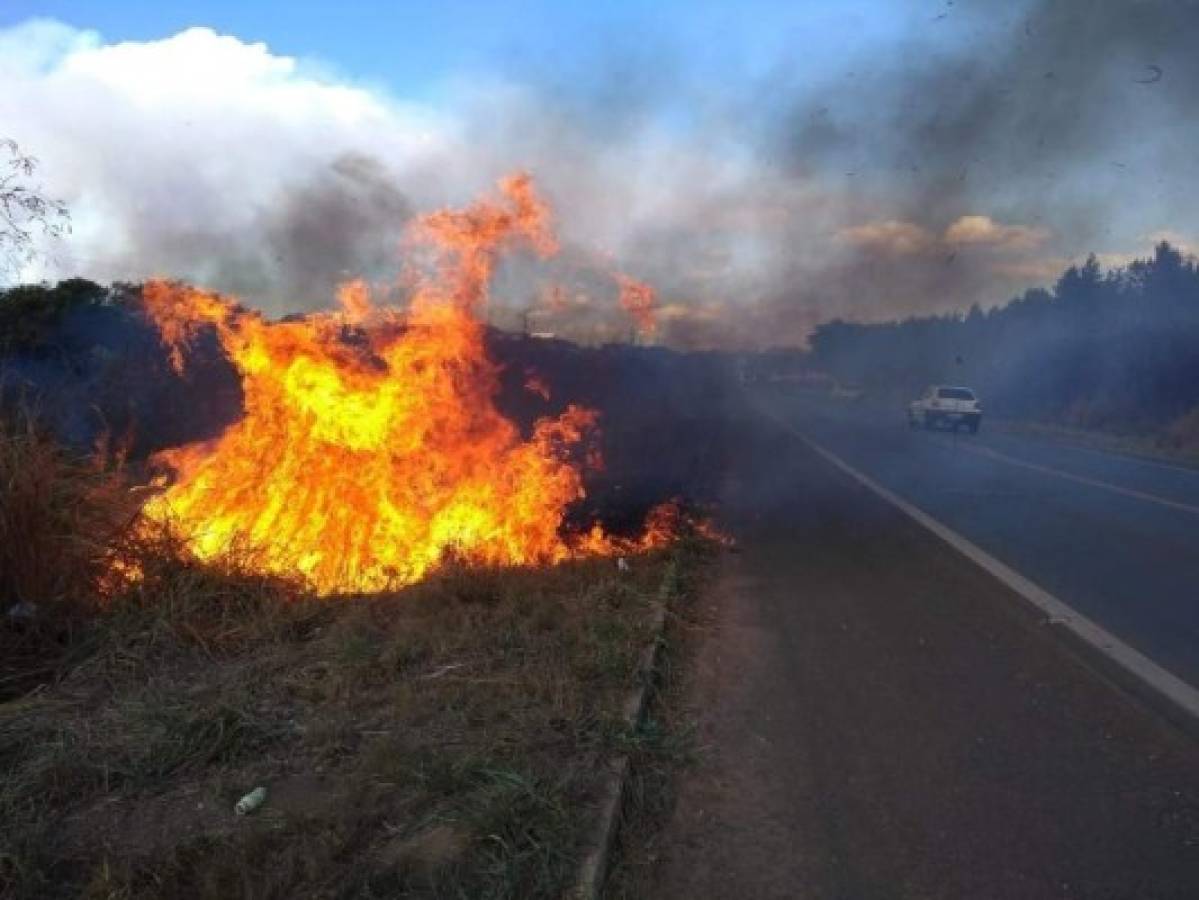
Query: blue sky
(414, 47)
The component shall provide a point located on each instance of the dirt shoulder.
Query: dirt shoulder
(879, 718)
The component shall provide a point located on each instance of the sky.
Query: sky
(413, 47)
(765, 165)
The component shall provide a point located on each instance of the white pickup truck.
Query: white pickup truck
(942, 405)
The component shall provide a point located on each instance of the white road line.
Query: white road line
(1167, 685)
(1123, 457)
(1080, 479)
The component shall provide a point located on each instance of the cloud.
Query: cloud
(985, 231)
(200, 156)
(205, 157)
(895, 237)
(1037, 269)
(891, 237)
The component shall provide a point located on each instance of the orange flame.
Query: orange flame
(363, 461)
(535, 384)
(639, 300)
(354, 298)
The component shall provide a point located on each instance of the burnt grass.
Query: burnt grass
(444, 740)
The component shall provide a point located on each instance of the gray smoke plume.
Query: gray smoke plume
(972, 153)
(341, 222)
(1070, 116)
(344, 223)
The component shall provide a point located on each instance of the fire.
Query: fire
(371, 448)
(639, 301)
(535, 384)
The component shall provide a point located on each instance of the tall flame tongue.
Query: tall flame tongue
(639, 300)
(360, 464)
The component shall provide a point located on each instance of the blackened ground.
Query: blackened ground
(663, 418)
(882, 719)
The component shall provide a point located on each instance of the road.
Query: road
(878, 717)
(1115, 537)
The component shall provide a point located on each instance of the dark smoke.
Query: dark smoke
(346, 223)
(1072, 114)
(1018, 104)
(341, 223)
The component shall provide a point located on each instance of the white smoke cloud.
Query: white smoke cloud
(204, 157)
(173, 154)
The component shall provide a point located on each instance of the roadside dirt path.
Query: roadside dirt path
(880, 719)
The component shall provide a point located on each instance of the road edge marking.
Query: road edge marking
(1132, 493)
(1163, 462)
(1163, 684)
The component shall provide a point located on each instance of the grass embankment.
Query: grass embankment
(1179, 444)
(664, 746)
(439, 741)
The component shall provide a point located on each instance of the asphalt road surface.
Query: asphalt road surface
(880, 718)
(1115, 537)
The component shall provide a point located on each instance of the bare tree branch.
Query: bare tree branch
(25, 209)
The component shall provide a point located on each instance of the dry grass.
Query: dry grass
(1178, 443)
(664, 745)
(1183, 434)
(441, 741)
(61, 513)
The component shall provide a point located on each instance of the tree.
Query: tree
(25, 209)
(1114, 349)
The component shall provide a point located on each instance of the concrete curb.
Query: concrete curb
(594, 867)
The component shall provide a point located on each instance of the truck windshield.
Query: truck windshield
(955, 394)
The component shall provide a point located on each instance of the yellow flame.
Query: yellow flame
(361, 464)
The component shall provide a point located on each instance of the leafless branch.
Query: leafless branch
(25, 209)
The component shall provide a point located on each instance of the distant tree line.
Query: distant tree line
(30, 314)
(1115, 350)
(92, 367)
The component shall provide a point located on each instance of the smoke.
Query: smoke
(344, 222)
(969, 153)
(206, 158)
(1003, 140)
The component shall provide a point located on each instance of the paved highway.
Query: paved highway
(1115, 537)
(880, 719)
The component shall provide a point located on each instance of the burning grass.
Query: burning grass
(442, 740)
(438, 741)
(371, 444)
(365, 595)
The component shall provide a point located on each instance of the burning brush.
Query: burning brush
(371, 447)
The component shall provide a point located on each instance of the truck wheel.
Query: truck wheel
(974, 426)
(929, 423)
